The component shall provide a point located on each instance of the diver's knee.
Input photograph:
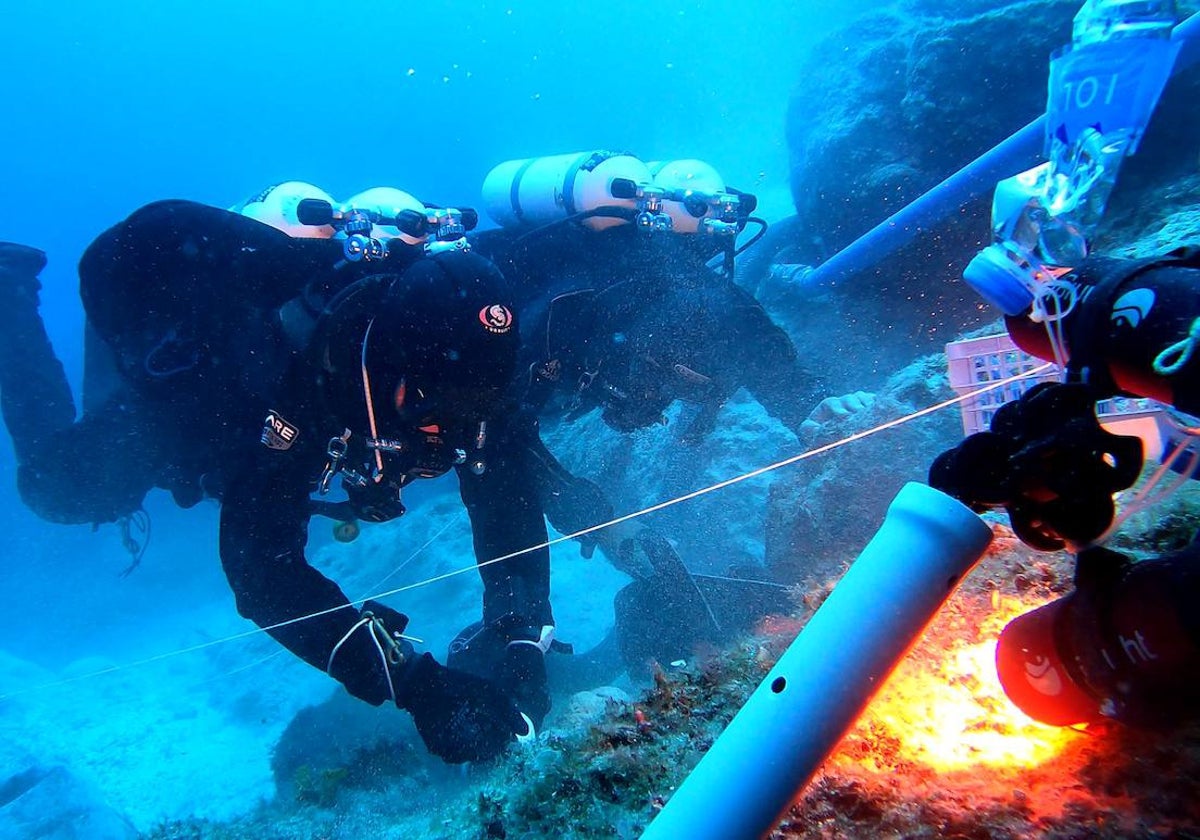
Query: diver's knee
(45, 496)
(59, 498)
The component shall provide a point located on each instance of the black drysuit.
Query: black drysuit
(194, 304)
(631, 320)
(627, 321)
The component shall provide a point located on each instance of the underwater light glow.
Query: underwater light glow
(945, 709)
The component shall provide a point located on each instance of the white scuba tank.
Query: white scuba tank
(686, 175)
(276, 206)
(536, 191)
(387, 201)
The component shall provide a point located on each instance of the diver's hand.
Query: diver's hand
(624, 546)
(459, 716)
(837, 408)
(834, 409)
(375, 502)
(575, 504)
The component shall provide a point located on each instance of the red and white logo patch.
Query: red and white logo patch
(496, 318)
(278, 433)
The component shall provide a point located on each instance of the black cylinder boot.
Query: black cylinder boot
(35, 397)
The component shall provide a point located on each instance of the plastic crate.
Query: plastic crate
(975, 362)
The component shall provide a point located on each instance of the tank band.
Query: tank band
(568, 187)
(514, 192)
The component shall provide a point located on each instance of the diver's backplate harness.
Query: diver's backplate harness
(440, 228)
(423, 452)
(374, 491)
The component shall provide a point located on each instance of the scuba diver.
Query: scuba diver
(1124, 645)
(624, 272)
(368, 373)
(639, 322)
(626, 314)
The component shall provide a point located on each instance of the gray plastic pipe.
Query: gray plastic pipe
(1016, 154)
(813, 695)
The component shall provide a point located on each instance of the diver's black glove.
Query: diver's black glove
(511, 654)
(573, 504)
(375, 502)
(522, 675)
(460, 717)
(1048, 462)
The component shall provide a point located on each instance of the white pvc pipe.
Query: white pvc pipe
(813, 695)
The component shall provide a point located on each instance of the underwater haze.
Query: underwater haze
(112, 106)
(109, 106)
(135, 702)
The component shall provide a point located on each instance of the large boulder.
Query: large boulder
(52, 803)
(342, 745)
(41, 798)
(922, 90)
(822, 512)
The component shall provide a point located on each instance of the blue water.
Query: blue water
(110, 106)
